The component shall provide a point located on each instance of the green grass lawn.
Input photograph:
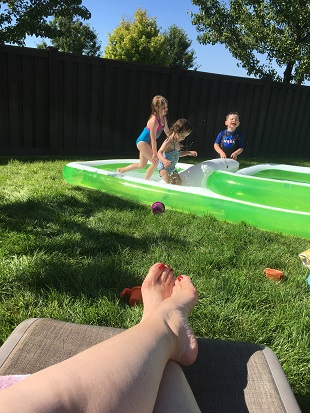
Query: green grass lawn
(67, 253)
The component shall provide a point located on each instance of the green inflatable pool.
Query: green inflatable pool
(273, 197)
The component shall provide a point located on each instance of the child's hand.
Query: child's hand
(166, 163)
(193, 153)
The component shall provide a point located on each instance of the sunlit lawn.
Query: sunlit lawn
(67, 253)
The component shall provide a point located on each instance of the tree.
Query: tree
(275, 31)
(177, 48)
(137, 41)
(20, 18)
(74, 37)
(141, 41)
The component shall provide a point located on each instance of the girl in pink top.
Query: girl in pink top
(146, 142)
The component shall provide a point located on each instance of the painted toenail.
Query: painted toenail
(161, 266)
(180, 277)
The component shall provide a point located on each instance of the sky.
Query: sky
(106, 16)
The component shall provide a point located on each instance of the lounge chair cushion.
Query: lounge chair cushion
(228, 376)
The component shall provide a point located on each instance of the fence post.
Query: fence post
(54, 143)
(263, 108)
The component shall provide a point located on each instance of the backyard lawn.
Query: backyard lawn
(68, 252)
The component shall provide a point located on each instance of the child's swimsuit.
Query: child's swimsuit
(145, 135)
(172, 156)
(229, 141)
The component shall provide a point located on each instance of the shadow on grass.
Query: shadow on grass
(57, 243)
(4, 160)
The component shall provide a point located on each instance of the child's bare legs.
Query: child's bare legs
(175, 394)
(122, 374)
(164, 174)
(134, 166)
(176, 179)
(150, 170)
(173, 179)
(146, 154)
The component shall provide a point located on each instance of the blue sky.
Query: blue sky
(106, 17)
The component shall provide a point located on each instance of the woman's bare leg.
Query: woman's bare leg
(122, 374)
(174, 394)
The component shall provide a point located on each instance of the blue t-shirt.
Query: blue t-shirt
(229, 141)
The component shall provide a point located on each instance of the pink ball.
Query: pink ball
(158, 208)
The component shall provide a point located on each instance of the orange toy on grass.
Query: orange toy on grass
(274, 274)
(135, 296)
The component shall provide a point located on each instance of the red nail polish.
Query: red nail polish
(161, 266)
(180, 277)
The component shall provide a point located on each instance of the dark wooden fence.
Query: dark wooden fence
(57, 103)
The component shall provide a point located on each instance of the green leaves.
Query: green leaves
(73, 36)
(20, 18)
(141, 41)
(274, 32)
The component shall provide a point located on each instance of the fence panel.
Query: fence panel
(58, 103)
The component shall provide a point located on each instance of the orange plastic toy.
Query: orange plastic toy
(135, 296)
(274, 274)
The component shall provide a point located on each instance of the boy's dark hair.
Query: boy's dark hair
(232, 113)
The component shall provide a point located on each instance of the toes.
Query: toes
(155, 271)
(183, 282)
(167, 275)
(160, 273)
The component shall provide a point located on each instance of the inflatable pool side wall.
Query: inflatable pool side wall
(197, 175)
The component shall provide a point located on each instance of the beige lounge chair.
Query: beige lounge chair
(227, 377)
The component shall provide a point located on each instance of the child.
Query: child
(146, 142)
(229, 143)
(170, 152)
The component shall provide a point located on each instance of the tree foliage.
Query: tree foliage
(141, 41)
(74, 37)
(137, 41)
(256, 31)
(20, 18)
(177, 48)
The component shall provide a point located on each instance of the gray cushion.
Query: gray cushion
(232, 377)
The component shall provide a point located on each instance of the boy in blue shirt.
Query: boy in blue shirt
(229, 143)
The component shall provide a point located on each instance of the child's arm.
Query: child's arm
(152, 125)
(219, 150)
(188, 153)
(166, 128)
(236, 153)
(217, 146)
(164, 147)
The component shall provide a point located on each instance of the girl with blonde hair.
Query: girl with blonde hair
(146, 142)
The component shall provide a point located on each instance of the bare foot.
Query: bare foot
(156, 287)
(172, 300)
(119, 170)
(175, 311)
